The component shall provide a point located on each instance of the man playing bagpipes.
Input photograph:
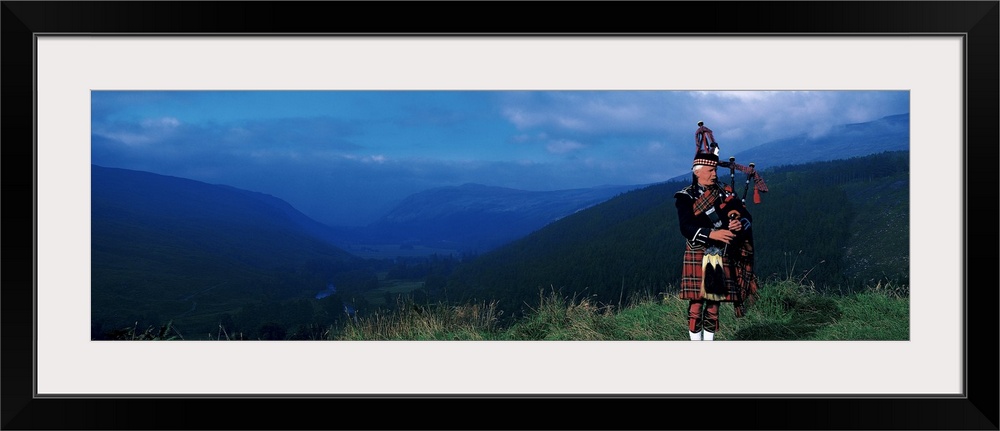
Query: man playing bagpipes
(718, 256)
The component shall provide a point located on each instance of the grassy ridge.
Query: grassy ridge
(786, 310)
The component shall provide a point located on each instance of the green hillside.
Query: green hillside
(841, 225)
(181, 259)
(166, 249)
(786, 310)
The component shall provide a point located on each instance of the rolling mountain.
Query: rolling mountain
(172, 249)
(178, 250)
(477, 218)
(816, 224)
(890, 133)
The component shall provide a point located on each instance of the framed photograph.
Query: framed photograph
(57, 56)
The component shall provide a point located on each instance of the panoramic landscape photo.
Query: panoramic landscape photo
(489, 215)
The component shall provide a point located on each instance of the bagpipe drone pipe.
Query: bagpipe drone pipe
(741, 250)
(734, 206)
(752, 176)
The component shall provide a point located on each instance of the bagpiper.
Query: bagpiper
(718, 255)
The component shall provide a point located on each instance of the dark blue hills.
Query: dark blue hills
(178, 206)
(168, 249)
(890, 133)
(477, 218)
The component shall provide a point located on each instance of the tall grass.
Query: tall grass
(880, 313)
(786, 310)
(151, 333)
(559, 318)
(411, 321)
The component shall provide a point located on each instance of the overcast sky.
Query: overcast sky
(346, 157)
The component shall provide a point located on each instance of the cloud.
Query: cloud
(756, 117)
(161, 123)
(143, 134)
(378, 158)
(345, 156)
(563, 146)
(592, 112)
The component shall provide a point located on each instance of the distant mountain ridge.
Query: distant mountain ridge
(476, 217)
(890, 133)
(843, 224)
(172, 249)
(168, 249)
(117, 194)
(480, 217)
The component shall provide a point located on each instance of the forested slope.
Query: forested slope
(167, 249)
(816, 223)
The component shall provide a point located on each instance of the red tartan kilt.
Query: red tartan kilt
(691, 275)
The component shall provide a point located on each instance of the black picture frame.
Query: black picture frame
(977, 21)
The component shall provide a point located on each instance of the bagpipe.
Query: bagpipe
(705, 142)
(759, 186)
(733, 206)
(741, 249)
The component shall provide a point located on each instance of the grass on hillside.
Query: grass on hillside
(786, 310)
